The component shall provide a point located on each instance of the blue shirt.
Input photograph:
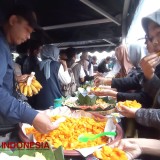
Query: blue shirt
(13, 110)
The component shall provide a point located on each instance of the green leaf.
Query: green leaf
(6, 150)
(86, 100)
(105, 99)
(111, 101)
(81, 99)
(57, 154)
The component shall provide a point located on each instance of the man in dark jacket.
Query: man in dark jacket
(17, 28)
(102, 65)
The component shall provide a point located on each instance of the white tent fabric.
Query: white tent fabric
(145, 8)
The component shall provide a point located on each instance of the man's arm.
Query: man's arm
(15, 111)
(10, 107)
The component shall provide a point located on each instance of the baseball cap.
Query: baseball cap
(27, 13)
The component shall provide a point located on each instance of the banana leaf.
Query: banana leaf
(86, 100)
(110, 101)
(47, 153)
(81, 99)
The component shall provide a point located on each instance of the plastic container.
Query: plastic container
(57, 102)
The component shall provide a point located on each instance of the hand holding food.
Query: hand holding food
(103, 92)
(130, 147)
(108, 153)
(30, 87)
(128, 108)
(43, 124)
(129, 104)
(148, 64)
(99, 81)
(95, 89)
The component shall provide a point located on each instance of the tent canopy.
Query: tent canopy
(87, 24)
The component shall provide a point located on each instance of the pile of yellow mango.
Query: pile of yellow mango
(68, 132)
(108, 153)
(130, 104)
(95, 89)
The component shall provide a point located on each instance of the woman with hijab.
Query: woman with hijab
(49, 73)
(121, 54)
(136, 52)
(151, 84)
(123, 66)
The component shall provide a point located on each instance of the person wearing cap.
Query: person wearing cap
(16, 29)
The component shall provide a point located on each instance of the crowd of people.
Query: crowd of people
(131, 75)
(146, 84)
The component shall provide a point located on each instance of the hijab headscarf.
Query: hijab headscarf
(136, 52)
(121, 54)
(155, 17)
(48, 53)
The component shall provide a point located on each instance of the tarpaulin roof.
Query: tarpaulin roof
(89, 24)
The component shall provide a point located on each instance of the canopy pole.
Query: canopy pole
(99, 10)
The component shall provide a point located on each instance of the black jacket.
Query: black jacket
(124, 87)
(51, 88)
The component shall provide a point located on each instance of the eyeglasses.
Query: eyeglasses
(154, 40)
(148, 38)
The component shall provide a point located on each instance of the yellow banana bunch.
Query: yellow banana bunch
(30, 89)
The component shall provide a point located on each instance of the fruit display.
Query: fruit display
(31, 87)
(68, 132)
(108, 153)
(130, 104)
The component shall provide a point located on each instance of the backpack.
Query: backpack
(70, 88)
